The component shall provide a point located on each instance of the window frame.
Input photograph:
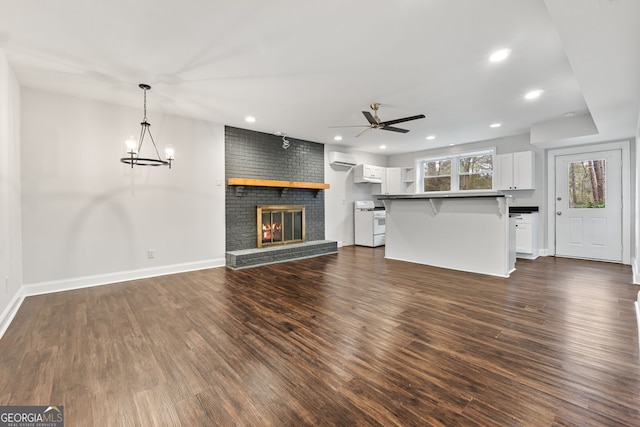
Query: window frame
(455, 170)
(420, 171)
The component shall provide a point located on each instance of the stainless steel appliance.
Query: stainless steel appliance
(369, 224)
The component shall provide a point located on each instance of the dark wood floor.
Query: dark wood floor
(338, 340)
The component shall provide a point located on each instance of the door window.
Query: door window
(587, 183)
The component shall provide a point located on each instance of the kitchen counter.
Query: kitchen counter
(443, 195)
(468, 232)
(522, 209)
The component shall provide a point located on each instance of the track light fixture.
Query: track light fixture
(134, 146)
(285, 141)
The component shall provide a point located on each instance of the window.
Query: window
(587, 184)
(437, 175)
(476, 172)
(461, 172)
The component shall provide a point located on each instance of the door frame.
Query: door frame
(624, 146)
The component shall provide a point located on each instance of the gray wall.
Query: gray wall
(256, 155)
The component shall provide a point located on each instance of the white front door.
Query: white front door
(588, 205)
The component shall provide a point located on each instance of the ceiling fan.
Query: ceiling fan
(376, 123)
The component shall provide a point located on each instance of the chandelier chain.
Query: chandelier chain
(145, 104)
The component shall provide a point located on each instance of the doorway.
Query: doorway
(588, 205)
(588, 202)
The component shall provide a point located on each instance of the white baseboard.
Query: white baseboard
(98, 280)
(10, 312)
(527, 256)
(636, 273)
(637, 305)
(124, 276)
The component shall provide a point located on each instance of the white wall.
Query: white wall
(511, 144)
(89, 219)
(339, 199)
(636, 193)
(10, 229)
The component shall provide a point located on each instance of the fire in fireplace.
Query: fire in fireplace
(280, 225)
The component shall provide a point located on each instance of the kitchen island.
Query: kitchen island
(467, 232)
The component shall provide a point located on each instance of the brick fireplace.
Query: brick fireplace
(260, 156)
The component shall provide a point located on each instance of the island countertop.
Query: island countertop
(442, 195)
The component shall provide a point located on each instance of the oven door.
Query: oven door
(379, 222)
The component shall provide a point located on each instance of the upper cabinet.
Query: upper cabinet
(514, 171)
(369, 173)
(398, 181)
(392, 183)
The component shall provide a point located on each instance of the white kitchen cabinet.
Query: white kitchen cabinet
(369, 173)
(398, 180)
(514, 171)
(527, 235)
(392, 183)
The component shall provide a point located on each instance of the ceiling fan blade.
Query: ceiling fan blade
(391, 128)
(369, 117)
(364, 131)
(349, 126)
(405, 119)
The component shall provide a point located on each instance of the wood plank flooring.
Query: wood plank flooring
(339, 340)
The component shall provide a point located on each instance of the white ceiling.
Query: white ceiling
(301, 67)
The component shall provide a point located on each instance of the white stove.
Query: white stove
(369, 223)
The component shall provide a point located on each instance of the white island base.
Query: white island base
(469, 233)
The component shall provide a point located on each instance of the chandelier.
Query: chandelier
(134, 146)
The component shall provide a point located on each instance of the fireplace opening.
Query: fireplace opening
(280, 225)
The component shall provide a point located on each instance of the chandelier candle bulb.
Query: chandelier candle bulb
(132, 145)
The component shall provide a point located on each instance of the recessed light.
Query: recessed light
(533, 94)
(250, 119)
(495, 125)
(430, 137)
(382, 147)
(337, 138)
(499, 55)
(569, 114)
(452, 144)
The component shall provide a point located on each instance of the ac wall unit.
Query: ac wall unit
(342, 159)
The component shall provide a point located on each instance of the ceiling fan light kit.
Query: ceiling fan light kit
(134, 146)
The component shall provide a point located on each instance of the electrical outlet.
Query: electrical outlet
(151, 253)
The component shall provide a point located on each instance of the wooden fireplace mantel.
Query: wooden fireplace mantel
(240, 183)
